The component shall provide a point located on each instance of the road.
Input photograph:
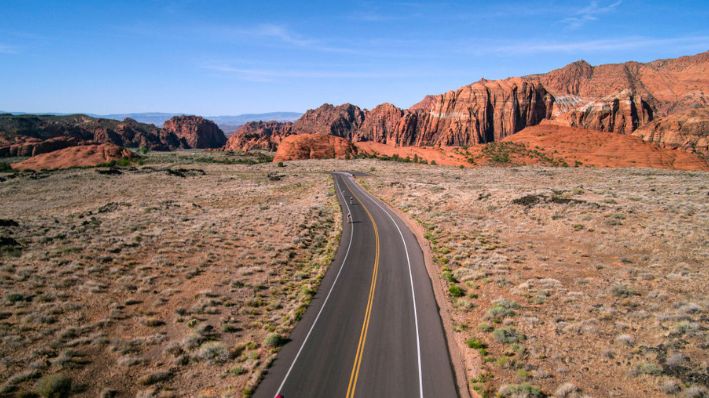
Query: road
(373, 328)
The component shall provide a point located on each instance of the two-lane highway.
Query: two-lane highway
(373, 328)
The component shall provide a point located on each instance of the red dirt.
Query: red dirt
(599, 149)
(77, 156)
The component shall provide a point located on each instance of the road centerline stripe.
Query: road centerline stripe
(354, 375)
(334, 282)
(411, 279)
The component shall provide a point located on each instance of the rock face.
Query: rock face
(258, 135)
(619, 98)
(195, 132)
(75, 156)
(314, 146)
(34, 146)
(482, 112)
(340, 120)
(28, 135)
(619, 113)
(687, 130)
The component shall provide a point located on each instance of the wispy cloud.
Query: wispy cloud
(589, 13)
(257, 74)
(580, 47)
(7, 49)
(270, 75)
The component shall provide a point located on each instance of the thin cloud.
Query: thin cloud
(256, 74)
(7, 49)
(627, 43)
(589, 13)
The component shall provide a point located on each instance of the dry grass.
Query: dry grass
(591, 277)
(148, 283)
(564, 281)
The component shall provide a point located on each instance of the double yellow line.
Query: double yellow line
(368, 312)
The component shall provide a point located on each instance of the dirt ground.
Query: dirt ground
(156, 283)
(567, 282)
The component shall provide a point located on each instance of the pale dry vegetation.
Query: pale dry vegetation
(568, 282)
(157, 281)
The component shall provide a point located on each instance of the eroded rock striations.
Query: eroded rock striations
(620, 98)
(30, 135)
(259, 135)
(314, 146)
(195, 132)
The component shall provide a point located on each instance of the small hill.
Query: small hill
(76, 156)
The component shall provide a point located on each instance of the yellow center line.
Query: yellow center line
(368, 312)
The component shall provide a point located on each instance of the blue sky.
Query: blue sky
(231, 57)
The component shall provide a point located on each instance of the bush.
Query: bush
(5, 167)
(213, 352)
(274, 340)
(507, 335)
(524, 390)
(501, 309)
(54, 386)
(456, 291)
(475, 343)
(280, 164)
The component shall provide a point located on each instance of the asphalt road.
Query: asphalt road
(373, 328)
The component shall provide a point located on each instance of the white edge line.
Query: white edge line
(411, 279)
(326, 297)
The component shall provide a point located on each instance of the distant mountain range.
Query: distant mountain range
(228, 123)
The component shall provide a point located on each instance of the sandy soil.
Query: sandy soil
(562, 281)
(153, 283)
(568, 281)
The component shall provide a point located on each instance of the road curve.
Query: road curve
(373, 329)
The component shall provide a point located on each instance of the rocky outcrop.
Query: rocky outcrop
(27, 135)
(482, 112)
(314, 146)
(35, 146)
(619, 113)
(195, 132)
(258, 135)
(75, 156)
(341, 121)
(687, 130)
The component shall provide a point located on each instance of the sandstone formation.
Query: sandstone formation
(75, 156)
(687, 130)
(619, 98)
(340, 120)
(195, 132)
(314, 146)
(258, 135)
(28, 135)
(33, 146)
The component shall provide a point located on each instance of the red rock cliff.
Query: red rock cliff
(259, 135)
(195, 132)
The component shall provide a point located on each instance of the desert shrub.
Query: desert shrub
(475, 343)
(5, 167)
(456, 291)
(524, 390)
(647, 368)
(274, 340)
(507, 335)
(501, 309)
(54, 386)
(620, 290)
(280, 164)
(213, 352)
